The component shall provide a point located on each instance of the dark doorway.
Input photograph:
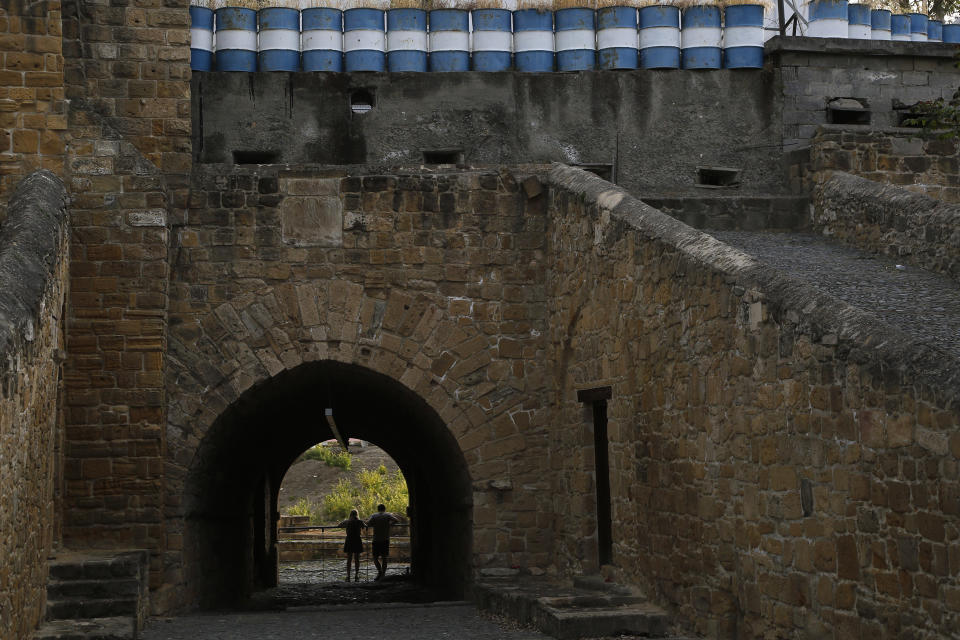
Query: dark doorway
(597, 399)
(231, 492)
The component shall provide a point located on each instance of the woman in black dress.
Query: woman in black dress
(353, 545)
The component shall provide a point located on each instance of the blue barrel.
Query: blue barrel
(828, 19)
(533, 40)
(918, 27)
(880, 24)
(364, 40)
(236, 39)
(701, 37)
(659, 37)
(618, 41)
(322, 39)
(935, 31)
(858, 17)
(492, 39)
(743, 36)
(951, 33)
(575, 34)
(279, 48)
(406, 40)
(201, 38)
(900, 27)
(449, 40)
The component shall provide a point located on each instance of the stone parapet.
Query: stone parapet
(34, 251)
(781, 463)
(890, 220)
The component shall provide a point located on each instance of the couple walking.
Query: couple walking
(380, 522)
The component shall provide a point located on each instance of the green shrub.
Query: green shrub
(371, 488)
(301, 507)
(329, 456)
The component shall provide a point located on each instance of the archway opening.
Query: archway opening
(230, 499)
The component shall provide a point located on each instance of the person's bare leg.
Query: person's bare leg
(383, 573)
(376, 562)
(349, 560)
(356, 569)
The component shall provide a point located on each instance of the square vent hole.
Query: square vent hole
(718, 177)
(848, 111)
(443, 156)
(255, 157)
(604, 171)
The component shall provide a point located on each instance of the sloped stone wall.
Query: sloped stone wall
(34, 246)
(782, 465)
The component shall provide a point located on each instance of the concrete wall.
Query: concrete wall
(651, 128)
(888, 77)
(34, 246)
(782, 465)
(890, 220)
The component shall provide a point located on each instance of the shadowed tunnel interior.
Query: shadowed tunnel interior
(233, 482)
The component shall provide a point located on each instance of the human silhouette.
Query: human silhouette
(381, 521)
(353, 545)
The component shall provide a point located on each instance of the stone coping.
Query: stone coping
(803, 44)
(861, 335)
(29, 242)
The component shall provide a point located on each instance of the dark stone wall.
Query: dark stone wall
(34, 254)
(782, 464)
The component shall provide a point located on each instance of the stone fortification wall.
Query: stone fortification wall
(781, 463)
(884, 219)
(917, 161)
(32, 108)
(885, 77)
(33, 277)
(431, 279)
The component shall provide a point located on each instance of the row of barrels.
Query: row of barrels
(839, 19)
(574, 39)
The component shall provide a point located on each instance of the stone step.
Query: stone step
(119, 628)
(86, 608)
(63, 590)
(73, 566)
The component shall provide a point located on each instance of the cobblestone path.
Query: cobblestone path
(454, 621)
(923, 304)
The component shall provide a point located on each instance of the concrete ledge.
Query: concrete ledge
(861, 335)
(891, 220)
(801, 44)
(29, 241)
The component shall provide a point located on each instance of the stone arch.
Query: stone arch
(417, 344)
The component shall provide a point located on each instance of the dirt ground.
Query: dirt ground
(313, 479)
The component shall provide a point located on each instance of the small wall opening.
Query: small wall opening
(718, 177)
(443, 156)
(604, 171)
(597, 399)
(361, 101)
(255, 157)
(848, 111)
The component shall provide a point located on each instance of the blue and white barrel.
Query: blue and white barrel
(236, 39)
(406, 40)
(880, 24)
(575, 32)
(743, 36)
(322, 39)
(533, 40)
(858, 16)
(449, 40)
(951, 33)
(279, 48)
(900, 27)
(659, 37)
(828, 19)
(492, 39)
(618, 41)
(364, 40)
(201, 38)
(918, 27)
(935, 31)
(701, 38)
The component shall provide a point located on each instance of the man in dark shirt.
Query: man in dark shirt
(380, 522)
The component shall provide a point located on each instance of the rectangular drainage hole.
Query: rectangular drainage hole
(604, 171)
(255, 157)
(848, 111)
(718, 177)
(443, 156)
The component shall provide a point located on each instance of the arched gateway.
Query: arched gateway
(230, 493)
